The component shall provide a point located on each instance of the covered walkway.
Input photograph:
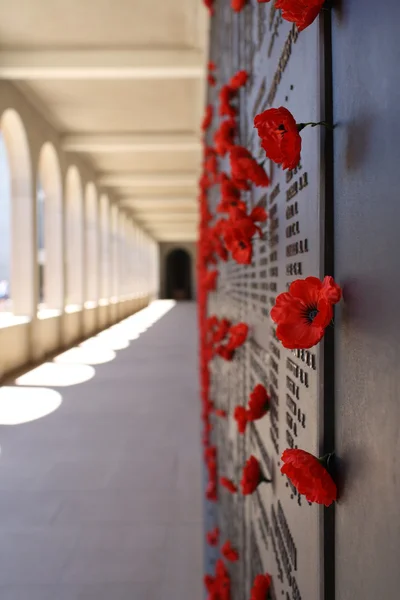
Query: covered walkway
(101, 499)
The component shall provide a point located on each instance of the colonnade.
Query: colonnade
(69, 256)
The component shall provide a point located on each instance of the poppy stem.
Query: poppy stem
(301, 126)
(265, 479)
(327, 459)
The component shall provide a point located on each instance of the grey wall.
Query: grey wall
(165, 249)
(366, 59)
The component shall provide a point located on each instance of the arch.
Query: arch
(5, 230)
(105, 247)
(21, 191)
(179, 275)
(91, 244)
(74, 237)
(50, 229)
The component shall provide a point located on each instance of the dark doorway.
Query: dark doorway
(179, 275)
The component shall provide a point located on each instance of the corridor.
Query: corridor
(101, 499)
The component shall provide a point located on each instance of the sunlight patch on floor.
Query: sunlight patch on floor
(21, 405)
(56, 375)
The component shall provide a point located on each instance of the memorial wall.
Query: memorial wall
(260, 61)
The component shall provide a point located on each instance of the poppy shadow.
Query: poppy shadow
(357, 143)
(351, 296)
(338, 8)
(347, 468)
(361, 297)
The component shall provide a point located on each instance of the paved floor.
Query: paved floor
(101, 500)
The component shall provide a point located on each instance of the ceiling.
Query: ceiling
(123, 81)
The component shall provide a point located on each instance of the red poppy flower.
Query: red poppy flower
(211, 166)
(252, 476)
(211, 491)
(213, 537)
(211, 66)
(208, 116)
(209, 280)
(210, 452)
(212, 322)
(261, 584)
(220, 413)
(240, 416)
(237, 335)
(219, 248)
(229, 553)
(259, 214)
(226, 95)
(230, 202)
(309, 476)
(211, 80)
(230, 195)
(224, 137)
(222, 331)
(238, 80)
(303, 313)
(224, 352)
(244, 167)
(212, 467)
(228, 484)
(210, 5)
(238, 5)
(242, 250)
(204, 182)
(238, 234)
(223, 581)
(280, 136)
(209, 582)
(258, 403)
(239, 231)
(301, 12)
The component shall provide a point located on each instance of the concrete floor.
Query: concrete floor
(102, 500)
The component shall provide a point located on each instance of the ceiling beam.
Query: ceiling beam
(160, 218)
(174, 212)
(148, 180)
(167, 229)
(175, 237)
(158, 202)
(101, 64)
(118, 143)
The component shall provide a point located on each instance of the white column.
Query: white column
(53, 235)
(121, 253)
(131, 258)
(74, 239)
(114, 253)
(105, 248)
(92, 245)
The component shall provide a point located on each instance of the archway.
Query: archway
(5, 230)
(92, 244)
(74, 238)
(179, 275)
(50, 229)
(18, 181)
